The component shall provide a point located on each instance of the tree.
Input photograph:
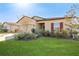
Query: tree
(0, 25)
(72, 25)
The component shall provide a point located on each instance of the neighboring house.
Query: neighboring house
(26, 24)
(11, 27)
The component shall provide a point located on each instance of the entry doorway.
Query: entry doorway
(42, 26)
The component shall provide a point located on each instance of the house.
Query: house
(52, 24)
(26, 24)
(11, 27)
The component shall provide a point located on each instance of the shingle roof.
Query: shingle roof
(57, 18)
(43, 19)
(10, 23)
(37, 18)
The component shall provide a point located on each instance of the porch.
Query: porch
(51, 26)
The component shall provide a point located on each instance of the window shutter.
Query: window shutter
(52, 26)
(61, 26)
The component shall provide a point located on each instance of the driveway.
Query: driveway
(6, 36)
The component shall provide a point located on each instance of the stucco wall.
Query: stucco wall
(47, 26)
(26, 20)
(30, 23)
(48, 23)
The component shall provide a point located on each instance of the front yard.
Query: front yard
(43, 46)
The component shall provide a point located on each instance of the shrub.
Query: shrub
(74, 32)
(52, 34)
(25, 36)
(58, 34)
(33, 30)
(55, 34)
(45, 33)
(65, 34)
(3, 30)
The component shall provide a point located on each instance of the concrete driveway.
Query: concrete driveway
(6, 36)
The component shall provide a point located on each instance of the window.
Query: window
(56, 26)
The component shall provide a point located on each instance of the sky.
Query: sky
(12, 12)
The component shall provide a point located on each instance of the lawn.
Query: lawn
(43, 46)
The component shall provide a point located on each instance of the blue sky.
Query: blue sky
(13, 12)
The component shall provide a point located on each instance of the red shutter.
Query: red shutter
(52, 26)
(61, 26)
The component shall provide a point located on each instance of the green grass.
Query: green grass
(43, 46)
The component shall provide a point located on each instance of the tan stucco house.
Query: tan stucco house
(26, 24)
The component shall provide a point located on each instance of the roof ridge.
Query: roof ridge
(22, 18)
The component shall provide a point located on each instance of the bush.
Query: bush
(45, 33)
(25, 36)
(3, 30)
(55, 34)
(74, 32)
(58, 34)
(65, 34)
(33, 30)
(52, 34)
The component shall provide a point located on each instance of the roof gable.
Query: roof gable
(25, 20)
(22, 18)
